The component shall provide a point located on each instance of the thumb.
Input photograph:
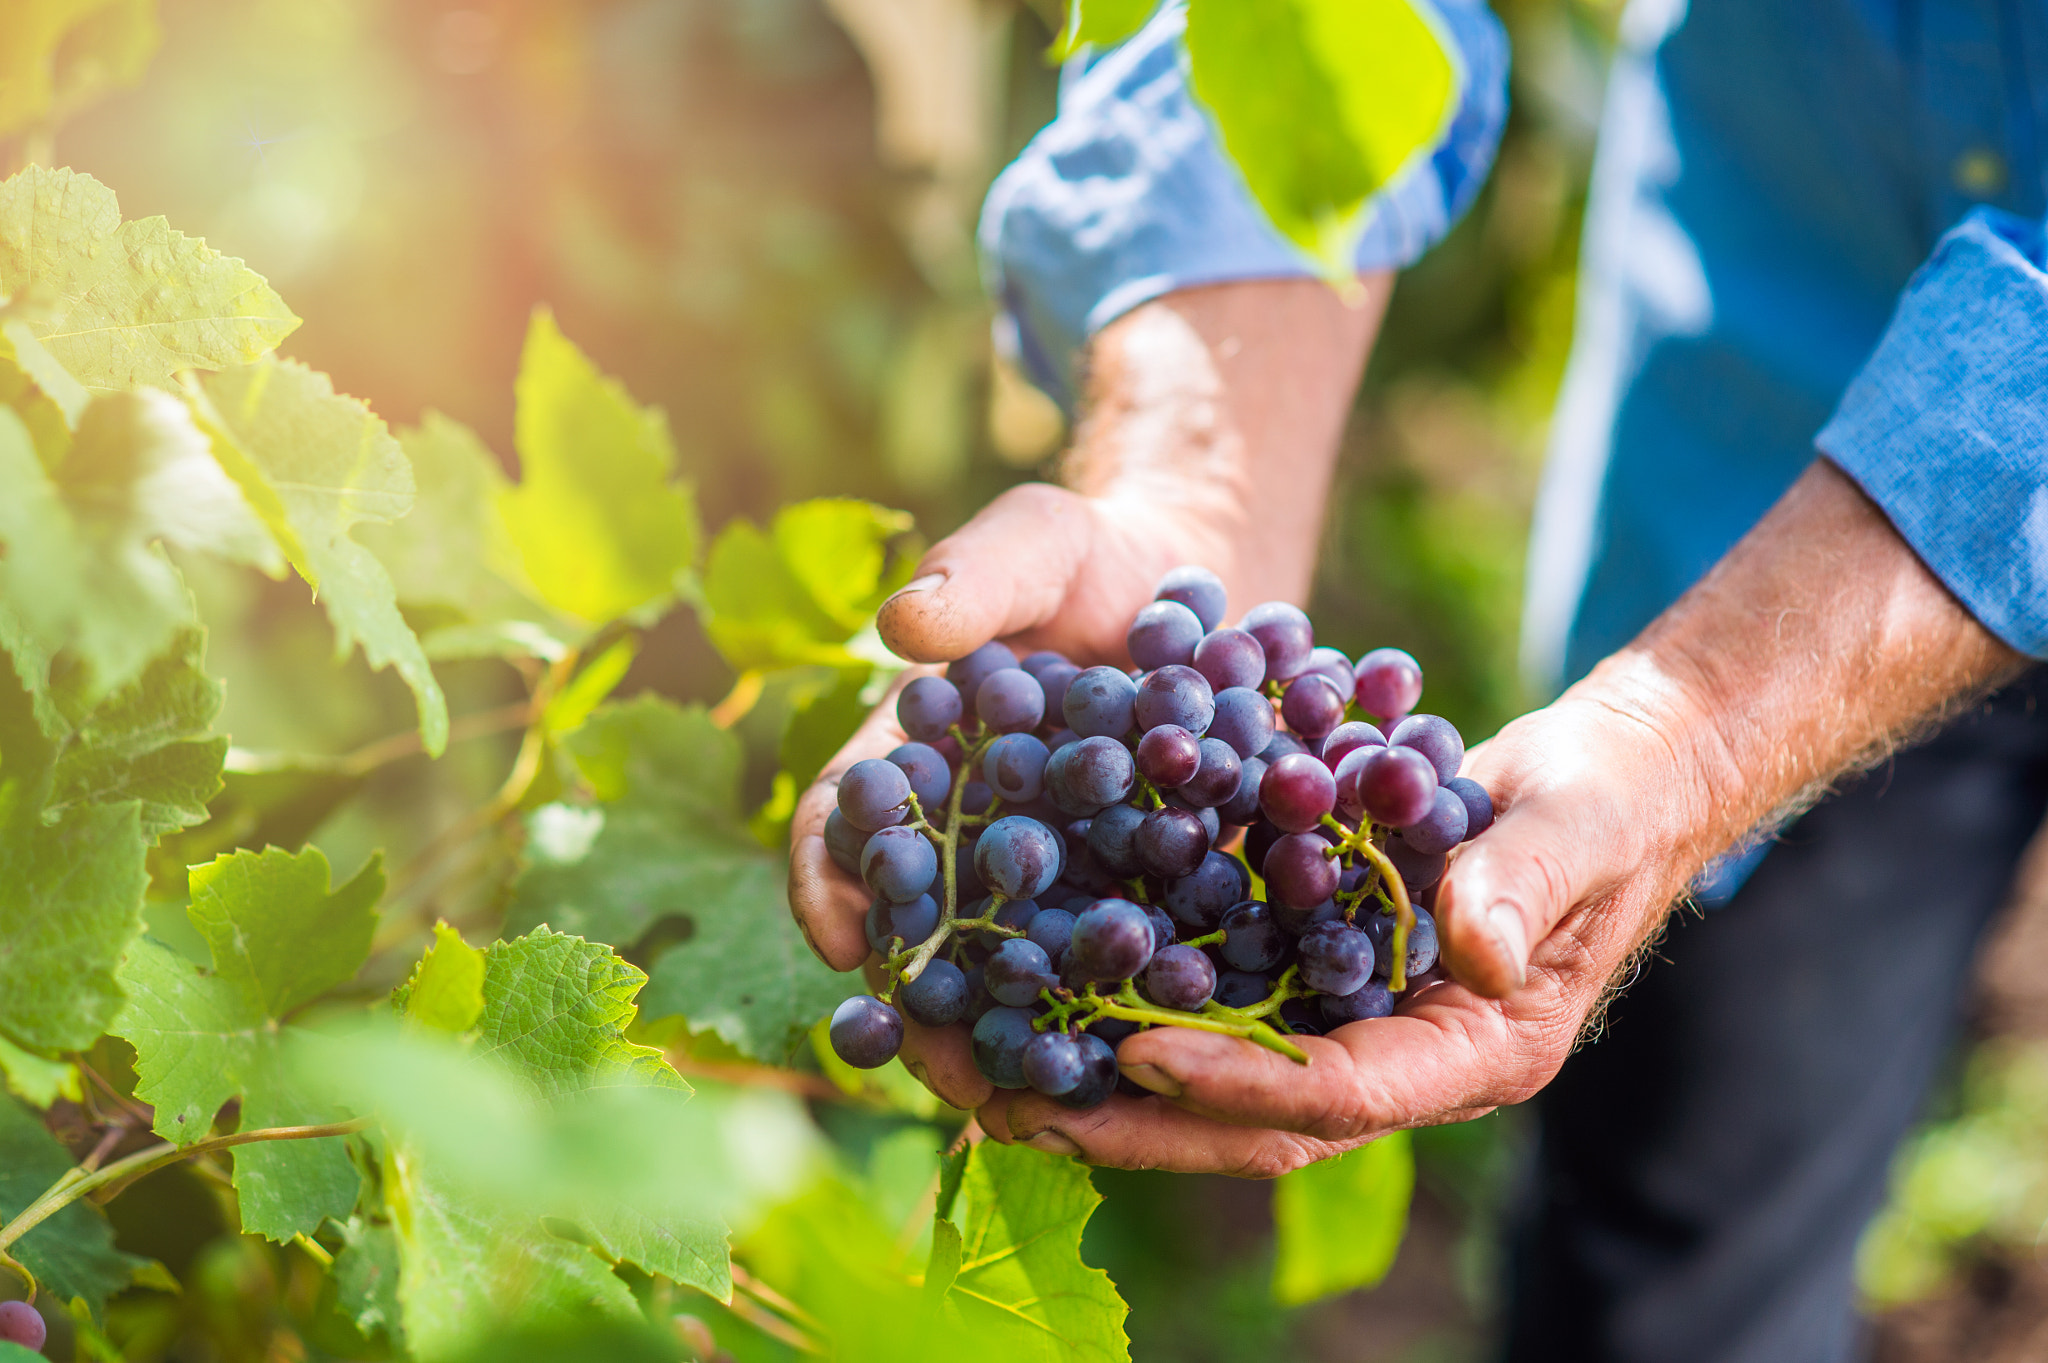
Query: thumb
(1005, 572)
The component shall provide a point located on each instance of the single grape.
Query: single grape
(969, 672)
(1241, 988)
(1243, 718)
(1336, 958)
(1396, 786)
(865, 1032)
(931, 779)
(1052, 1063)
(1346, 739)
(1112, 941)
(1198, 902)
(1165, 632)
(1000, 1037)
(1422, 947)
(874, 794)
(1334, 665)
(1283, 743)
(1312, 705)
(1296, 792)
(1243, 805)
(1018, 858)
(1112, 1031)
(1168, 756)
(1200, 590)
(1110, 836)
(1099, 703)
(1014, 767)
(908, 924)
(1085, 874)
(1302, 1017)
(1442, 828)
(1163, 934)
(1298, 873)
(1054, 675)
(1100, 771)
(1171, 842)
(1294, 922)
(1010, 701)
(928, 707)
(1258, 840)
(899, 864)
(1286, 635)
(1435, 738)
(1369, 1000)
(1175, 695)
(938, 996)
(1016, 971)
(21, 1324)
(1419, 870)
(1478, 805)
(1212, 822)
(975, 798)
(1230, 657)
(1098, 1074)
(1346, 776)
(1051, 931)
(1252, 941)
(1387, 682)
(843, 842)
(1180, 977)
(1060, 738)
(1216, 779)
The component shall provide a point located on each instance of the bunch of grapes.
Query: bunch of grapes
(1063, 856)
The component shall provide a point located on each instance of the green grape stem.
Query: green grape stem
(1404, 912)
(948, 843)
(1126, 1004)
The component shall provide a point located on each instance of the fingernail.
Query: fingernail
(922, 584)
(1153, 1078)
(1512, 937)
(1053, 1143)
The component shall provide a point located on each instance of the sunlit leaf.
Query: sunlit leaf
(446, 991)
(72, 1254)
(35, 1080)
(62, 54)
(1339, 1223)
(794, 595)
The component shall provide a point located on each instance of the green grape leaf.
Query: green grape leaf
(1338, 1223)
(600, 529)
(37, 1081)
(70, 904)
(63, 54)
(793, 595)
(315, 464)
(1321, 103)
(123, 304)
(15, 1353)
(279, 938)
(672, 849)
(1100, 24)
(1021, 1279)
(28, 392)
(72, 1254)
(366, 1278)
(446, 990)
(555, 1011)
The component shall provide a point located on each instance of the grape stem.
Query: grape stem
(1404, 912)
(1215, 938)
(1127, 1005)
(949, 843)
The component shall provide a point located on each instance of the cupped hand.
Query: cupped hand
(1601, 803)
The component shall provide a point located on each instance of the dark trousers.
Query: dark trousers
(1704, 1170)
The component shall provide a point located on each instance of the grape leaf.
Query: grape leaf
(555, 1011)
(1321, 103)
(37, 1081)
(62, 54)
(599, 528)
(127, 303)
(72, 1254)
(1021, 1279)
(315, 464)
(1100, 23)
(70, 903)
(795, 594)
(28, 393)
(279, 938)
(673, 846)
(1338, 1224)
(446, 990)
(366, 1278)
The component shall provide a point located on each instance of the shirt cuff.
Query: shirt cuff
(1126, 195)
(1946, 426)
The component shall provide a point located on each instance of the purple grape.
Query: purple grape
(1163, 934)
(1212, 822)
(1175, 695)
(1098, 1074)
(1243, 805)
(1199, 901)
(931, 780)
(909, 923)
(1296, 792)
(1283, 743)
(1112, 941)
(964, 875)
(1052, 1063)
(1244, 719)
(874, 794)
(1230, 657)
(1060, 738)
(1171, 842)
(1054, 675)
(1180, 977)
(1442, 828)
(938, 996)
(1419, 870)
(843, 842)
(865, 1032)
(1435, 738)
(1051, 931)
(1018, 858)
(1165, 632)
(1168, 756)
(1298, 873)
(1259, 838)
(1333, 665)
(21, 1324)
(1370, 1000)
(1312, 705)
(1252, 941)
(1200, 590)
(1286, 635)
(1335, 957)
(1346, 739)
(1301, 1017)
(1422, 947)
(1100, 771)
(978, 1001)
(1011, 913)
(975, 798)
(969, 672)
(1000, 1037)
(899, 864)
(1241, 988)
(1099, 703)
(1478, 806)
(1110, 838)
(1016, 971)
(1112, 1031)
(1014, 767)
(1346, 777)
(1396, 786)
(1010, 701)
(1216, 779)
(1387, 682)
(928, 707)
(1295, 922)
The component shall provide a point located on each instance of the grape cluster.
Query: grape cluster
(1062, 856)
(20, 1324)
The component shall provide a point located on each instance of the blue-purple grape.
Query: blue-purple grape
(1422, 944)
(975, 798)
(874, 794)
(1442, 828)
(1286, 636)
(865, 1032)
(1294, 922)
(1243, 718)
(1171, 842)
(1435, 738)
(1016, 971)
(1014, 767)
(1243, 805)
(931, 779)
(1168, 756)
(1098, 1073)
(1000, 1036)
(1164, 933)
(1230, 657)
(1051, 931)
(1298, 872)
(1165, 632)
(1419, 870)
(1052, 1063)
(1018, 858)
(1011, 913)
(1212, 822)
(1099, 703)
(978, 1000)
(1010, 701)
(1252, 941)
(938, 996)
(1111, 837)
(1312, 705)
(1396, 786)
(1054, 675)
(928, 707)
(969, 672)
(1296, 792)
(1199, 901)
(1302, 1017)
(1060, 738)
(1215, 780)
(1370, 1000)
(1346, 739)
(1241, 988)
(1334, 665)
(1335, 958)
(843, 842)
(1478, 805)
(1200, 590)
(1180, 977)
(908, 924)
(1282, 744)
(899, 864)
(1112, 940)
(1175, 694)
(1085, 873)
(1387, 682)
(1099, 772)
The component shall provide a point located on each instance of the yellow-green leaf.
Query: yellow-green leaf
(794, 595)
(1339, 1223)
(446, 991)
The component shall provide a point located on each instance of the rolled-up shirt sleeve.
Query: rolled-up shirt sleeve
(1126, 195)
(1946, 426)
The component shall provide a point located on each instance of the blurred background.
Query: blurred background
(759, 214)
